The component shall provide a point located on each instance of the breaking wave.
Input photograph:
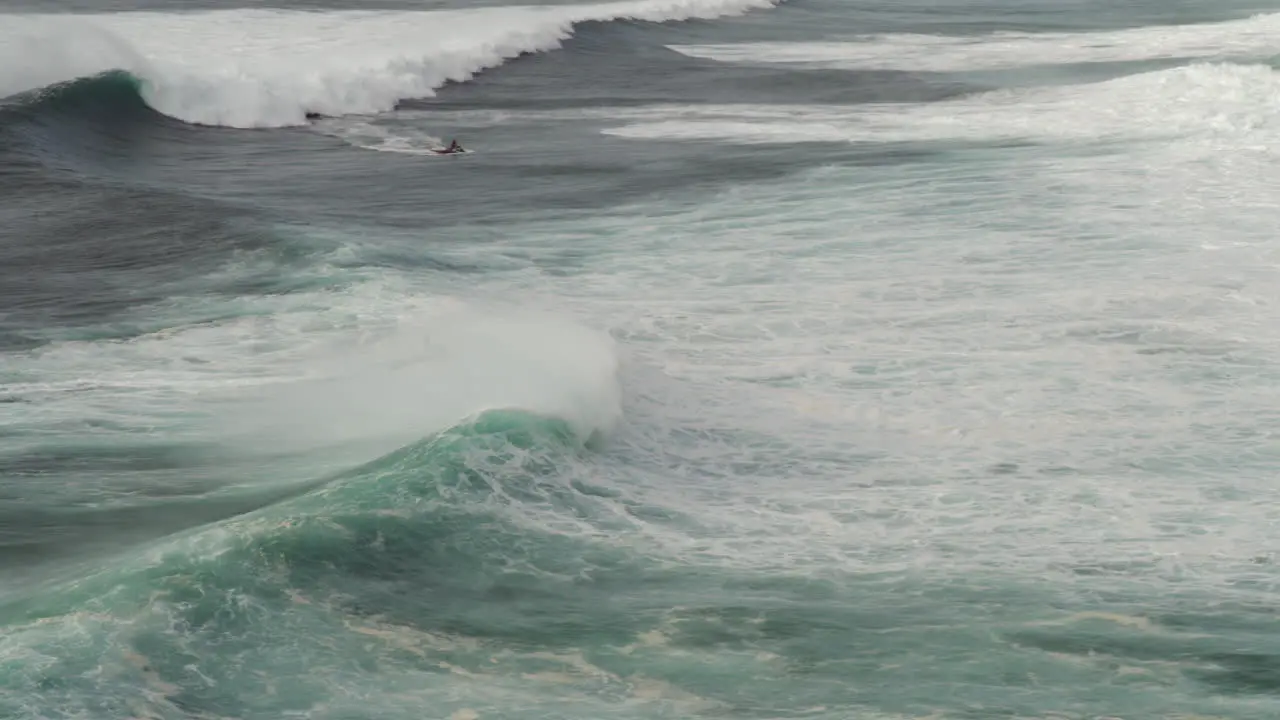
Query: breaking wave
(274, 68)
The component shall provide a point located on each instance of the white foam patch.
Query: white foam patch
(1004, 50)
(429, 368)
(1057, 357)
(1234, 103)
(262, 68)
(372, 136)
(367, 369)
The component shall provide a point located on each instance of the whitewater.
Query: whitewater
(270, 68)
(823, 359)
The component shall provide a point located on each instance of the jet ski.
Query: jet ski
(453, 149)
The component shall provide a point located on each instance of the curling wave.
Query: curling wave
(274, 68)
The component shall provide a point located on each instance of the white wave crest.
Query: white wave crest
(1003, 50)
(1222, 104)
(269, 68)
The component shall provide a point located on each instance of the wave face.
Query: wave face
(103, 91)
(387, 591)
(272, 68)
(234, 573)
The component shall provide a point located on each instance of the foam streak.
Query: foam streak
(1003, 50)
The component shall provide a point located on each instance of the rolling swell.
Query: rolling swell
(80, 125)
(71, 135)
(114, 92)
(101, 219)
(378, 582)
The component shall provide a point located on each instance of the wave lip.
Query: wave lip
(273, 68)
(428, 371)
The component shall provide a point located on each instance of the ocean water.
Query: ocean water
(824, 359)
